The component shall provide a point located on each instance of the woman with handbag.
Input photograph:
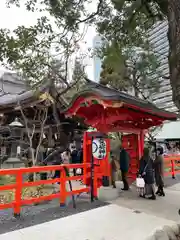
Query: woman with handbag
(147, 173)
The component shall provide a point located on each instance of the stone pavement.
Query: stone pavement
(110, 222)
(165, 207)
(127, 217)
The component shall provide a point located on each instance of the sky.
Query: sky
(12, 17)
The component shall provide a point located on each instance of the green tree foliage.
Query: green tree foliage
(79, 76)
(78, 80)
(125, 17)
(131, 68)
(33, 50)
(29, 49)
(128, 61)
(113, 69)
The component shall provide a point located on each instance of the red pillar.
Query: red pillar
(141, 143)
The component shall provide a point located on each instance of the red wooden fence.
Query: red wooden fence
(61, 195)
(172, 165)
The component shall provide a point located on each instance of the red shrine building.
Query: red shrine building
(109, 110)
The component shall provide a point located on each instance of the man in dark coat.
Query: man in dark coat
(124, 167)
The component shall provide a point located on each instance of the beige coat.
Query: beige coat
(115, 148)
(115, 170)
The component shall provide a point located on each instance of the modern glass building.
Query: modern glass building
(158, 39)
(97, 43)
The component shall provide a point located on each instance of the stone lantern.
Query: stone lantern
(14, 158)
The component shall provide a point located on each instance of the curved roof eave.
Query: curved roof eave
(133, 102)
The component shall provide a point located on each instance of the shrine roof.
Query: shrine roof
(107, 93)
(25, 97)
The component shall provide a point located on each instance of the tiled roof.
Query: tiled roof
(115, 95)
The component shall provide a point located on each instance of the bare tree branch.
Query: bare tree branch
(29, 133)
(43, 121)
(92, 15)
(67, 89)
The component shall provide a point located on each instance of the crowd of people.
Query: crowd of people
(59, 156)
(151, 170)
(170, 147)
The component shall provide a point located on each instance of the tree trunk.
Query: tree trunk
(135, 83)
(174, 48)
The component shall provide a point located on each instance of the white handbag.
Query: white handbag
(140, 182)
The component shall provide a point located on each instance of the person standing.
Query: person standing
(57, 161)
(61, 158)
(115, 159)
(147, 172)
(159, 172)
(113, 171)
(74, 158)
(80, 156)
(66, 156)
(124, 167)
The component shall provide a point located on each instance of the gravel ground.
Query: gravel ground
(32, 215)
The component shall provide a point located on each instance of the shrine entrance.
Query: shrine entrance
(109, 110)
(131, 144)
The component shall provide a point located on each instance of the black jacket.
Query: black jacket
(147, 165)
(159, 170)
(124, 160)
(80, 155)
(74, 157)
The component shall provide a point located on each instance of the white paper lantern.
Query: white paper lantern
(99, 148)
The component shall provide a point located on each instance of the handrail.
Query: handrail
(63, 178)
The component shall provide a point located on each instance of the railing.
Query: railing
(172, 165)
(61, 195)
